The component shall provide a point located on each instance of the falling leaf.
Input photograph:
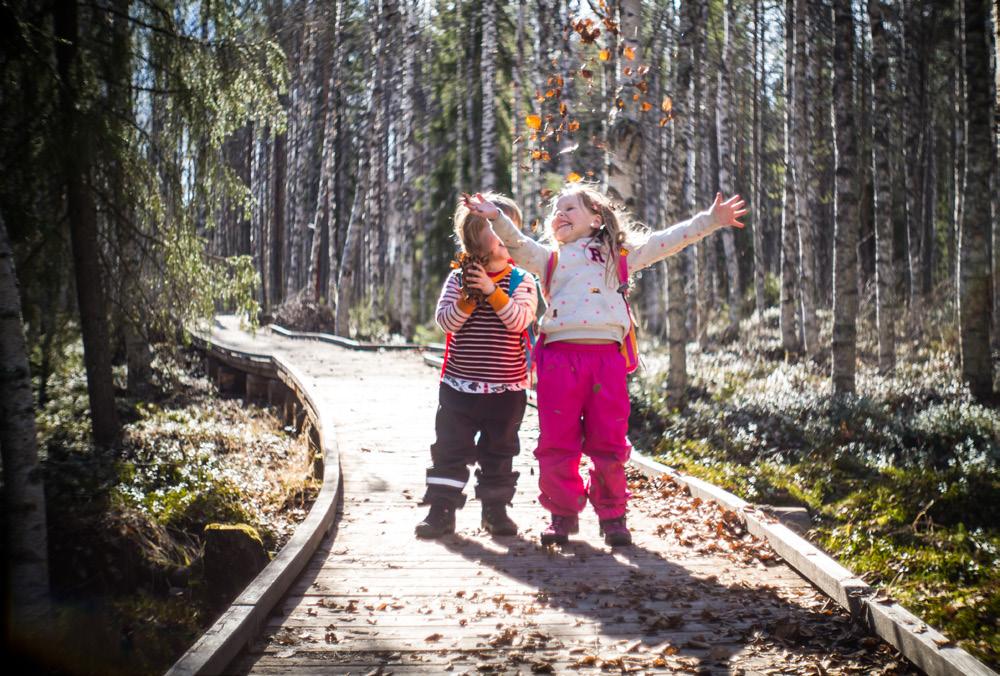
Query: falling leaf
(586, 73)
(563, 109)
(667, 104)
(550, 93)
(627, 71)
(663, 121)
(646, 105)
(434, 637)
(533, 121)
(642, 70)
(573, 177)
(545, 193)
(604, 55)
(628, 53)
(573, 126)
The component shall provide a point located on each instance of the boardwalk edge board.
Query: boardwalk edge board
(921, 644)
(242, 621)
(341, 341)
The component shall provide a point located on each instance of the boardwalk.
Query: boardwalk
(689, 597)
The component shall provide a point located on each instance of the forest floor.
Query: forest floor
(902, 481)
(125, 531)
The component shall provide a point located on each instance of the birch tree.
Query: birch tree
(885, 307)
(26, 584)
(789, 235)
(802, 181)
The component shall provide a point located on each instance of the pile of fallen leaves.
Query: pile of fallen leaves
(705, 526)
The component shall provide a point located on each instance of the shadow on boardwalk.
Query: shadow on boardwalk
(658, 614)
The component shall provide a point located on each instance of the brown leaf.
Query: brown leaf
(628, 53)
(533, 121)
(604, 55)
(573, 177)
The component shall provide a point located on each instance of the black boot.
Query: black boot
(440, 521)
(496, 521)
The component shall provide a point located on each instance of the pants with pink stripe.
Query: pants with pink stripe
(583, 407)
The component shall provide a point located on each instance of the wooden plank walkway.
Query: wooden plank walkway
(377, 600)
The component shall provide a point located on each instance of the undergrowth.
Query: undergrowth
(902, 479)
(125, 548)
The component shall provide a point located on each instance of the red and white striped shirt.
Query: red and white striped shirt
(485, 353)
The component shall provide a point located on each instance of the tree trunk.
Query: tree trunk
(958, 147)
(845, 255)
(82, 214)
(26, 593)
(681, 184)
(726, 164)
(803, 182)
(488, 68)
(789, 236)
(624, 156)
(757, 203)
(516, 156)
(885, 303)
(975, 304)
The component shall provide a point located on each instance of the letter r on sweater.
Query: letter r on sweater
(596, 255)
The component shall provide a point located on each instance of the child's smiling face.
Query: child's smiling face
(571, 220)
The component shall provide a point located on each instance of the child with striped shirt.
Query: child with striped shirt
(483, 382)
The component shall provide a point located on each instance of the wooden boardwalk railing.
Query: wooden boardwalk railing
(362, 595)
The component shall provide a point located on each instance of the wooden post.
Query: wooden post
(231, 381)
(256, 388)
(277, 392)
(211, 367)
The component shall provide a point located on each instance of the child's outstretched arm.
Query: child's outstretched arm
(452, 307)
(667, 242)
(525, 251)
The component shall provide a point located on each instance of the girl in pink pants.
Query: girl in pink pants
(583, 404)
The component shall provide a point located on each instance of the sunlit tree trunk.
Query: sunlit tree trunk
(756, 217)
(724, 133)
(802, 154)
(488, 68)
(845, 257)
(789, 236)
(885, 304)
(681, 184)
(624, 157)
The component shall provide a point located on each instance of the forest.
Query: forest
(299, 162)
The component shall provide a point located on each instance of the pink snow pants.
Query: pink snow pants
(583, 407)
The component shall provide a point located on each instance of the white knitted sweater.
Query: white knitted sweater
(583, 302)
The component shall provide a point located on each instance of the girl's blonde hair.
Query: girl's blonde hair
(469, 227)
(618, 229)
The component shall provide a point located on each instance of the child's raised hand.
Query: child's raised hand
(727, 213)
(479, 205)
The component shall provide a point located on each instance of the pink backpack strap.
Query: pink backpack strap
(623, 273)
